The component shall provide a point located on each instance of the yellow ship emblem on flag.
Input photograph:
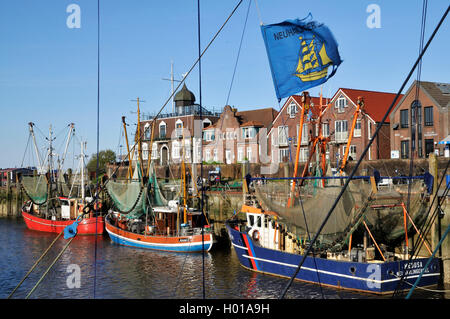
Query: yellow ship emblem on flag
(309, 67)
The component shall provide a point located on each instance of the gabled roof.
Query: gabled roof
(375, 103)
(315, 102)
(440, 92)
(264, 117)
(437, 92)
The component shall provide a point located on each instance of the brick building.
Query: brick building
(338, 121)
(238, 136)
(183, 127)
(432, 125)
(283, 134)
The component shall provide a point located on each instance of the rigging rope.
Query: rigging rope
(239, 52)
(425, 228)
(98, 133)
(35, 264)
(365, 150)
(50, 267)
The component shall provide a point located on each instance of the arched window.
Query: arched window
(162, 129)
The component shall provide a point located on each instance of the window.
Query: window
(154, 150)
(208, 135)
(351, 153)
(162, 130)
(248, 132)
(249, 154)
(404, 118)
(240, 154)
(179, 128)
(215, 154)
(405, 149)
(303, 155)
(282, 135)
(341, 130)
(292, 110)
(340, 104)
(207, 155)
(325, 129)
(147, 132)
(145, 151)
(428, 116)
(284, 155)
(206, 123)
(305, 133)
(429, 146)
(175, 149)
(357, 132)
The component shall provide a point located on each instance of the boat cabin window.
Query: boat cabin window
(251, 219)
(258, 221)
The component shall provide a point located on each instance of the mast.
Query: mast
(82, 171)
(130, 169)
(172, 80)
(71, 129)
(35, 147)
(305, 107)
(137, 138)
(360, 105)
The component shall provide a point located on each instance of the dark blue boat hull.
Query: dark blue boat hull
(379, 278)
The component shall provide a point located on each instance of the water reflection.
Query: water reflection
(109, 270)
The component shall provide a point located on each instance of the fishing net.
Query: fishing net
(127, 197)
(156, 197)
(36, 188)
(307, 212)
(382, 210)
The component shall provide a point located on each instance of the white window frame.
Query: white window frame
(339, 134)
(341, 103)
(283, 135)
(357, 132)
(292, 110)
(165, 129)
(240, 154)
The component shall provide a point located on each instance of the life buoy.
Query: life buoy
(255, 235)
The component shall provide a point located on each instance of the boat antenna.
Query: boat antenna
(347, 181)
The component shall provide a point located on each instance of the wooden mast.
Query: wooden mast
(130, 169)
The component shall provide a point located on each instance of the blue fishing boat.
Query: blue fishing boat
(354, 272)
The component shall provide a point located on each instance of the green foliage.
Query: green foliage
(104, 157)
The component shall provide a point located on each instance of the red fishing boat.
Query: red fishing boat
(88, 226)
(49, 213)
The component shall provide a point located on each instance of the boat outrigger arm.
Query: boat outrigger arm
(318, 140)
(359, 107)
(305, 107)
(71, 129)
(31, 124)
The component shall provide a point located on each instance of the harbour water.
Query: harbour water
(110, 271)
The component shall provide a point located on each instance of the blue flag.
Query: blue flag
(300, 53)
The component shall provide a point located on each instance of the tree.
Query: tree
(104, 157)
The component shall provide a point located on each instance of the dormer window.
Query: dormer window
(340, 104)
(292, 110)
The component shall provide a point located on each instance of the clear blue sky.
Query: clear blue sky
(48, 72)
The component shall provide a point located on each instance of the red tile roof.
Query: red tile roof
(262, 116)
(252, 123)
(375, 103)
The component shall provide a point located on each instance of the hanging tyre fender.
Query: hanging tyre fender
(255, 235)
